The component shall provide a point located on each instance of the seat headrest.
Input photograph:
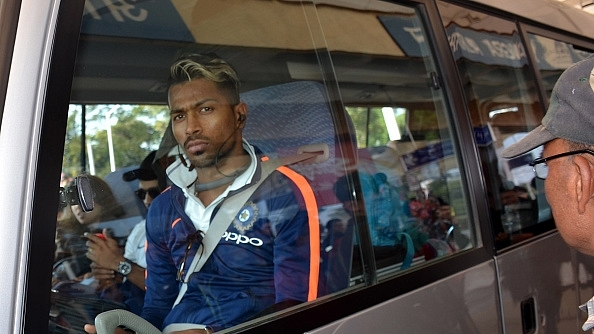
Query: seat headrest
(282, 118)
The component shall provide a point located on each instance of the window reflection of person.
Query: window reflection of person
(70, 229)
(110, 262)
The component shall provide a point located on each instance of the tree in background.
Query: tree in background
(135, 129)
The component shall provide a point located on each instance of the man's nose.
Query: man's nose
(193, 123)
(147, 200)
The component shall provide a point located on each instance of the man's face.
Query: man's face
(204, 123)
(560, 190)
(146, 186)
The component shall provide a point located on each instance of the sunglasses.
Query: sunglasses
(195, 238)
(152, 192)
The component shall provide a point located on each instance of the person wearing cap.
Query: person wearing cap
(108, 261)
(149, 183)
(567, 162)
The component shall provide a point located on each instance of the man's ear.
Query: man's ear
(241, 111)
(584, 183)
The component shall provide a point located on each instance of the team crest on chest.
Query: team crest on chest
(246, 217)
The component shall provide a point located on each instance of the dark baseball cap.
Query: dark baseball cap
(571, 112)
(145, 172)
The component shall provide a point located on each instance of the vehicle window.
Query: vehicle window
(118, 115)
(504, 104)
(408, 164)
(553, 57)
(103, 141)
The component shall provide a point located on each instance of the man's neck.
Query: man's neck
(212, 181)
(226, 167)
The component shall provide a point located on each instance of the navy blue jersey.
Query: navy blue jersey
(268, 255)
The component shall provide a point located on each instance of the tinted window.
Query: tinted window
(119, 114)
(503, 101)
(363, 83)
(407, 159)
(553, 57)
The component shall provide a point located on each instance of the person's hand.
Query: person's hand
(90, 329)
(102, 273)
(104, 251)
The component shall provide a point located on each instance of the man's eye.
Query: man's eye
(177, 117)
(205, 109)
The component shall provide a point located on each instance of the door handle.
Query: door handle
(528, 307)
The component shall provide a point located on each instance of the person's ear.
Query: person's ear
(241, 111)
(584, 182)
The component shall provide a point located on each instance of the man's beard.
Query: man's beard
(203, 160)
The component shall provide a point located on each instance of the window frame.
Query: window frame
(303, 317)
(49, 162)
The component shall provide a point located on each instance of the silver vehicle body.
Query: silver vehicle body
(533, 286)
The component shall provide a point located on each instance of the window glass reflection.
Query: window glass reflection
(504, 105)
(120, 90)
(406, 164)
(553, 57)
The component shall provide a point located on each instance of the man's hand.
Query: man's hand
(101, 273)
(106, 253)
(90, 329)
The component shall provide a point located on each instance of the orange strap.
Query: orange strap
(314, 228)
(175, 222)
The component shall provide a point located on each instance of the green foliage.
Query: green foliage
(135, 130)
(369, 126)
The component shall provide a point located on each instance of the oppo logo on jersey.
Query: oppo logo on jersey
(242, 239)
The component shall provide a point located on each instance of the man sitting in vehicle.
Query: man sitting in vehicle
(268, 256)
